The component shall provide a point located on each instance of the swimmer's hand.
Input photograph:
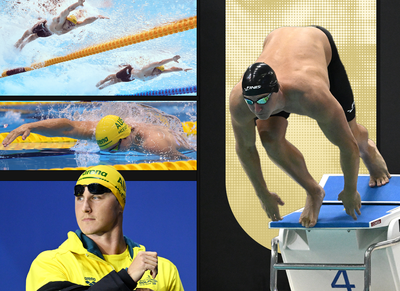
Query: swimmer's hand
(270, 203)
(80, 2)
(23, 131)
(176, 58)
(351, 202)
(102, 17)
(143, 261)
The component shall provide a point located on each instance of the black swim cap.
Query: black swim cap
(259, 78)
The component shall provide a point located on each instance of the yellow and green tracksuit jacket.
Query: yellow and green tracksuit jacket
(79, 265)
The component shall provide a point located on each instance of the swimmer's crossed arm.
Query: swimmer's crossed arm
(54, 128)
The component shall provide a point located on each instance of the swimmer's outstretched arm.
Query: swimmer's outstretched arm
(160, 63)
(175, 69)
(90, 20)
(61, 127)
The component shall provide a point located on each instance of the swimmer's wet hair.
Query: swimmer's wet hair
(259, 78)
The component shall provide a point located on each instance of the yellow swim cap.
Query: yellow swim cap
(161, 68)
(110, 130)
(108, 177)
(73, 19)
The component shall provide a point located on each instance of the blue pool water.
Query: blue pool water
(79, 76)
(86, 153)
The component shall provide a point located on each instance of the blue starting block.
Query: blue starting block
(338, 247)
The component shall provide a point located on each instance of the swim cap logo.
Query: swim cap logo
(120, 123)
(102, 141)
(121, 192)
(95, 172)
(252, 87)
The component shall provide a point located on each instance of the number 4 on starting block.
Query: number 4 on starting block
(346, 284)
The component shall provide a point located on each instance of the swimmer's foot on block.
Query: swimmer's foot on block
(309, 216)
(376, 165)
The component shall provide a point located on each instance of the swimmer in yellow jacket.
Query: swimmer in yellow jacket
(112, 134)
(148, 72)
(98, 256)
(60, 25)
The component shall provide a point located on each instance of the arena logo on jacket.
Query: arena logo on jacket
(146, 282)
(90, 281)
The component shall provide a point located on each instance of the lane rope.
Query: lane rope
(159, 31)
(174, 91)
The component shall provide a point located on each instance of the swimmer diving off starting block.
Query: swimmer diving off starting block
(61, 24)
(112, 134)
(148, 72)
(315, 85)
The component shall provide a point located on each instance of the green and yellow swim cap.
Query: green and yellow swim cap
(73, 19)
(110, 130)
(107, 176)
(161, 68)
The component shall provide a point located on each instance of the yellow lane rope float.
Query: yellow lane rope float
(171, 166)
(159, 31)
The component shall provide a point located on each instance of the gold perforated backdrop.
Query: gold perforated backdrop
(353, 26)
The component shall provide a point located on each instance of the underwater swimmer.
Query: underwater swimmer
(148, 72)
(112, 134)
(60, 25)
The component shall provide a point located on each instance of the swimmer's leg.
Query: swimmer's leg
(112, 79)
(28, 40)
(108, 78)
(373, 160)
(24, 36)
(285, 155)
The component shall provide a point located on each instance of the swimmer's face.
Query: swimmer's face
(156, 72)
(126, 143)
(259, 105)
(97, 214)
(68, 25)
(122, 145)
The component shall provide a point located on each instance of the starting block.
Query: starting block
(337, 248)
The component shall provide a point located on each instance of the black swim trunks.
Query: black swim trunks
(41, 29)
(339, 82)
(125, 74)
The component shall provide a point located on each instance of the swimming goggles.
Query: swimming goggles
(115, 148)
(260, 101)
(93, 188)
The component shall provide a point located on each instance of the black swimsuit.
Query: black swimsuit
(338, 80)
(125, 74)
(41, 29)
